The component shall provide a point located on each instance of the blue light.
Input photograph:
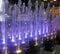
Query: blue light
(39, 32)
(2, 18)
(46, 28)
(3, 32)
(26, 34)
(31, 35)
(35, 33)
(24, 26)
(19, 38)
(43, 28)
(3, 38)
(13, 40)
(3, 41)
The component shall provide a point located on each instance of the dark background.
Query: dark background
(16, 1)
(57, 3)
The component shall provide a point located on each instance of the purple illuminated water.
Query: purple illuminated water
(20, 23)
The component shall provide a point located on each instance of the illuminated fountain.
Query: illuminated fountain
(3, 25)
(20, 24)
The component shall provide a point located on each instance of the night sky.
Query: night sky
(16, 1)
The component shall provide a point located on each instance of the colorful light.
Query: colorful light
(31, 24)
(18, 51)
(13, 40)
(26, 34)
(54, 0)
(23, 42)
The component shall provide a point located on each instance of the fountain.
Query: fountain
(20, 23)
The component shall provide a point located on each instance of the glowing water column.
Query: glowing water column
(23, 23)
(30, 13)
(42, 17)
(2, 20)
(36, 23)
(18, 50)
(47, 19)
(19, 4)
(14, 24)
(36, 18)
(19, 22)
